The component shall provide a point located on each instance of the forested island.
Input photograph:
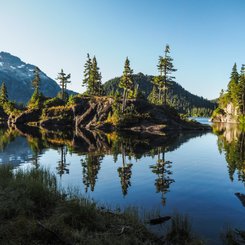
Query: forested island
(132, 102)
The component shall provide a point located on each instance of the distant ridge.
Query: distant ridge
(179, 98)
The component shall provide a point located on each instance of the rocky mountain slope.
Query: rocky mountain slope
(18, 77)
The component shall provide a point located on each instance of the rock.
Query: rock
(159, 220)
(96, 112)
(28, 116)
(229, 114)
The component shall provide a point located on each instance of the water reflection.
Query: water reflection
(93, 146)
(144, 169)
(163, 172)
(62, 167)
(231, 141)
(90, 169)
(125, 173)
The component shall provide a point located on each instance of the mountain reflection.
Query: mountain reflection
(29, 143)
(231, 141)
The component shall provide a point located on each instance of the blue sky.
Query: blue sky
(206, 37)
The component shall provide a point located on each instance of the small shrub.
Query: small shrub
(53, 102)
(37, 100)
(74, 99)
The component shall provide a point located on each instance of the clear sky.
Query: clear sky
(206, 37)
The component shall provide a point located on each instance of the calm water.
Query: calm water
(190, 173)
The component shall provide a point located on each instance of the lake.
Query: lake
(193, 173)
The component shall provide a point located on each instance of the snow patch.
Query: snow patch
(12, 67)
(21, 66)
(1, 63)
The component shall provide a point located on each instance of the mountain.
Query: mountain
(179, 98)
(18, 77)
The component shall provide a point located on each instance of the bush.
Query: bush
(53, 102)
(37, 100)
(74, 99)
(11, 108)
(218, 111)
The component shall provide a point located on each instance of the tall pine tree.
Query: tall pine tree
(36, 80)
(64, 80)
(92, 77)
(233, 85)
(96, 78)
(126, 82)
(87, 73)
(163, 80)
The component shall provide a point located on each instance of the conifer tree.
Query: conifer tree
(163, 80)
(153, 96)
(87, 73)
(96, 78)
(36, 80)
(3, 94)
(64, 80)
(241, 90)
(92, 77)
(233, 85)
(126, 82)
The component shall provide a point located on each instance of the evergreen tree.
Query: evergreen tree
(153, 96)
(241, 90)
(96, 77)
(64, 80)
(233, 85)
(3, 94)
(87, 73)
(36, 80)
(164, 79)
(126, 82)
(92, 77)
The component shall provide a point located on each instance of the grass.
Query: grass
(180, 232)
(35, 211)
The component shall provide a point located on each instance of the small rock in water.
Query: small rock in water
(159, 220)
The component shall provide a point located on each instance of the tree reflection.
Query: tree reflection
(162, 170)
(231, 141)
(90, 169)
(62, 165)
(125, 173)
